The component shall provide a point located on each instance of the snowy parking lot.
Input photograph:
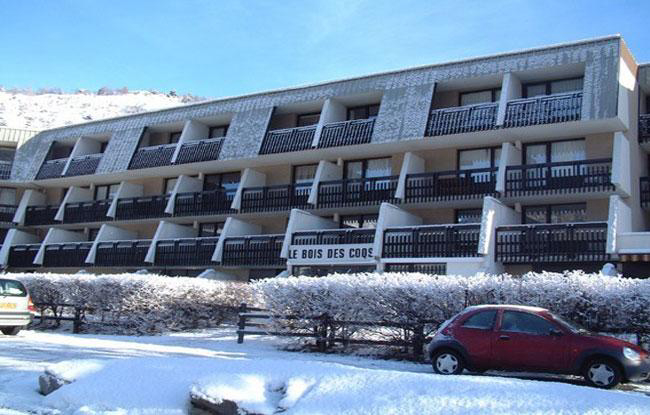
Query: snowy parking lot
(154, 375)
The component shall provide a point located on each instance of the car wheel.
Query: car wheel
(10, 331)
(447, 362)
(602, 373)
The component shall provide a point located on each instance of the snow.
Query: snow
(154, 375)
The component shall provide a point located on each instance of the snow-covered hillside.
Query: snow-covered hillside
(52, 108)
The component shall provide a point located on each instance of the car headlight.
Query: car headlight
(631, 354)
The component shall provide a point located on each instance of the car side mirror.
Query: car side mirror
(555, 332)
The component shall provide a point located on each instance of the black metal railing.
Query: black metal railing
(69, 254)
(185, 252)
(5, 170)
(333, 237)
(451, 185)
(346, 133)
(561, 177)
(564, 242)
(645, 192)
(7, 213)
(142, 207)
(432, 241)
(465, 119)
(155, 156)
(51, 169)
(83, 212)
(644, 128)
(22, 256)
(40, 215)
(121, 253)
(270, 198)
(288, 139)
(210, 202)
(253, 251)
(424, 268)
(357, 192)
(83, 165)
(546, 109)
(201, 150)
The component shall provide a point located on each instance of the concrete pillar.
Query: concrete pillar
(333, 111)
(412, 164)
(619, 220)
(495, 214)
(621, 162)
(510, 156)
(324, 172)
(510, 89)
(249, 178)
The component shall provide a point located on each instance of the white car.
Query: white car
(16, 308)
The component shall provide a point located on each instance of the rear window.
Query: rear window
(11, 288)
(481, 320)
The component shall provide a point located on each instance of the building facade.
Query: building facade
(532, 160)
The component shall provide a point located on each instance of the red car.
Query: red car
(519, 338)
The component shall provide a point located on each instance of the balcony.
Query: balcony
(40, 215)
(185, 252)
(197, 151)
(82, 165)
(645, 192)
(274, 198)
(357, 192)
(253, 251)
(85, 212)
(644, 128)
(155, 156)
(22, 256)
(451, 185)
(51, 169)
(465, 119)
(565, 242)
(142, 207)
(333, 237)
(545, 109)
(63, 255)
(5, 170)
(288, 139)
(7, 213)
(346, 133)
(432, 241)
(122, 253)
(563, 177)
(211, 202)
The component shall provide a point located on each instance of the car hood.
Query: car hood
(611, 341)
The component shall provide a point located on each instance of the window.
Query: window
(210, 229)
(552, 87)
(168, 185)
(479, 97)
(483, 320)
(305, 120)
(358, 169)
(359, 221)
(216, 132)
(304, 174)
(174, 137)
(557, 151)
(363, 112)
(519, 322)
(102, 147)
(7, 154)
(59, 151)
(227, 181)
(479, 158)
(574, 212)
(469, 215)
(92, 234)
(11, 288)
(106, 191)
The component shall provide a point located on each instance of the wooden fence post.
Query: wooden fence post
(321, 340)
(418, 341)
(76, 323)
(242, 323)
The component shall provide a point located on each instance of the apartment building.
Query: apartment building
(531, 160)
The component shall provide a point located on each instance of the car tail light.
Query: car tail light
(30, 305)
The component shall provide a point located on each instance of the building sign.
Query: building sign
(330, 254)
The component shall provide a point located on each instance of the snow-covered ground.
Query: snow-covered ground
(154, 375)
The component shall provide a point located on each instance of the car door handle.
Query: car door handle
(504, 337)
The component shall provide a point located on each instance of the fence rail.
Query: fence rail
(451, 185)
(154, 156)
(122, 253)
(185, 252)
(72, 254)
(346, 133)
(645, 192)
(544, 109)
(7, 213)
(465, 119)
(22, 256)
(85, 212)
(333, 237)
(432, 241)
(40, 215)
(644, 128)
(357, 192)
(82, 165)
(201, 150)
(288, 139)
(258, 251)
(210, 202)
(270, 198)
(142, 207)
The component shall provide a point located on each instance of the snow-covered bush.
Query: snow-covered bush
(130, 303)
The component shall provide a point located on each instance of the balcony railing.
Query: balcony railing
(197, 151)
(122, 253)
(72, 254)
(562, 177)
(645, 192)
(185, 252)
(253, 251)
(84, 212)
(565, 242)
(333, 237)
(451, 185)
(40, 215)
(346, 133)
(5, 170)
(142, 207)
(432, 241)
(82, 165)
(211, 202)
(22, 256)
(644, 128)
(432, 269)
(289, 139)
(7, 213)
(51, 169)
(270, 198)
(155, 156)
(357, 192)
(465, 119)
(545, 109)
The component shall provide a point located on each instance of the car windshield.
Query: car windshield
(11, 288)
(575, 327)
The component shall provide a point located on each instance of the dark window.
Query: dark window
(479, 97)
(518, 322)
(210, 229)
(11, 288)
(216, 132)
(359, 221)
(570, 212)
(102, 147)
(106, 191)
(168, 185)
(307, 119)
(58, 151)
(227, 181)
(7, 154)
(358, 169)
(363, 112)
(482, 320)
(555, 151)
(174, 137)
(479, 158)
(92, 234)
(304, 173)
(469, 215)
(552, 87)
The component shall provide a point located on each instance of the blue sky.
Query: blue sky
(222, 47)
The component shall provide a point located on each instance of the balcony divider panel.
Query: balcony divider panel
(51, 169)
(346, 133)
(82, 165)
(546, 109)
(85, 212)
(273, 198)
(122, 253)
(465, 119)
(201, 150)
(41, 215)
(253, 251)
(72, 254)
(22, 256)
(211, 202)
(288, 139)
(432, 241)
(185, 251)
(451, 185)
(357, 192)
(154, 156)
